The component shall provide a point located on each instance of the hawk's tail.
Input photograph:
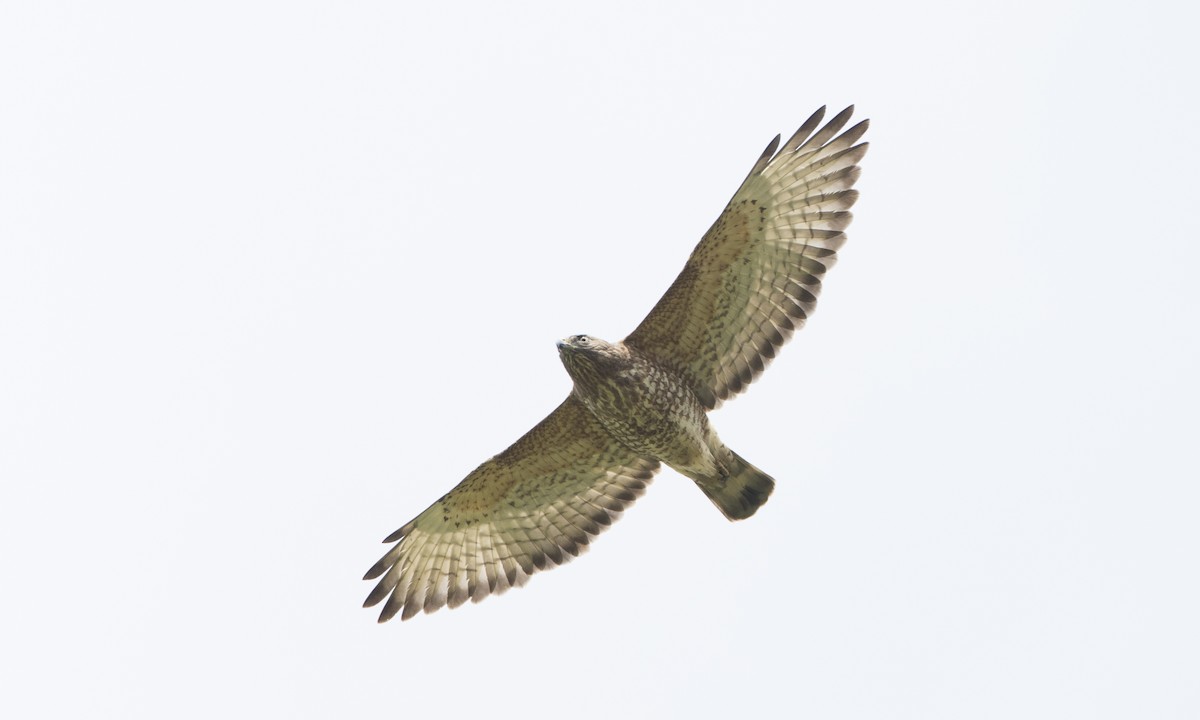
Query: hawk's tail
(741, 491)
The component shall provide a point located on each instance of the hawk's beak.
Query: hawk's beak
(560, 345)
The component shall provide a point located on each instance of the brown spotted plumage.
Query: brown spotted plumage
(750, 283)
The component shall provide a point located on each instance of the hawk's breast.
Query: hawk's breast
(646, 408)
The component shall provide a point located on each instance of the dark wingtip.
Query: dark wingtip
(390, 608)
(376, 595)
(841, 118)
(772, 146)
(805, 129)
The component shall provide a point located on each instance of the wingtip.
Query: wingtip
(812, 122)
(772, 146)
(765, 158)
(805, 130)
(390, 608)
(398, 534)
(864, 123)
(385, 615)
(841, 118)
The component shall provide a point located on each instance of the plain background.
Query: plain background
(275, 276)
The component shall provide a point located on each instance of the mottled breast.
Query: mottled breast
(644, 406)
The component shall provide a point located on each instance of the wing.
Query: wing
(533, 506)
(754, 278)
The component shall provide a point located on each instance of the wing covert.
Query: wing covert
(532, 507)
(754, 278)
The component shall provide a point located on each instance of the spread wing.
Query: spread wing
(754, 278)
(533, 506)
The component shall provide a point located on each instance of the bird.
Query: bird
(641, 403)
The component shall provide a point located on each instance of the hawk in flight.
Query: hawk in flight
(644, 402)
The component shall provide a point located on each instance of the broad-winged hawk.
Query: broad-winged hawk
(750, 283)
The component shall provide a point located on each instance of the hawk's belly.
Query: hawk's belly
(649, 411)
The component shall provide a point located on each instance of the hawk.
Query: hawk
(643, 402)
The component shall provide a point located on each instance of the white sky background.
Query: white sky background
(275, 276)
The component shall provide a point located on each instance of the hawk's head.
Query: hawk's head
(586, 355)
(581, 343)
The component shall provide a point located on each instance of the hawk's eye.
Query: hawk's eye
(582, 339)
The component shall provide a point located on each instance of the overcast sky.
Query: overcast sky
(275, 276)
